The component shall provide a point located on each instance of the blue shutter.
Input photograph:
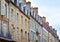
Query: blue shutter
(33, 13)
(24, 9)
(36, 17)
(39, 19)
(27, 12)
(20, 4)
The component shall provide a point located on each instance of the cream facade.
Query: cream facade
(45, 35)
(19, 25)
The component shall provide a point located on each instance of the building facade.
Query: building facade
(49, 31)
(15, 20)
(19, 22)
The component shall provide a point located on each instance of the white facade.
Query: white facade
(45, 35)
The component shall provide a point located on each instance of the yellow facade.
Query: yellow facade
(21, 25)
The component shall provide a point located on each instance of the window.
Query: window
(5, 10)
(21, 34)
(2, 7)
(13, 32)
(17, 33)
(21, 20)
(25, 23)
(28, 24)
(17, 18)
(39, 39)
(4, 27)
(25, 35)
(32, 35)
(12, 19)
(28, 38)
(11, 12)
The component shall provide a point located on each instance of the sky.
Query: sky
(51, 10)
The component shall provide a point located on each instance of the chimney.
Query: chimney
(50, 27)
(44, 19)
(35, 10)
(47, 23)
(28, 4)
(55, 31)
(24, 1)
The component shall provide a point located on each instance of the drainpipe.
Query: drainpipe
(9, 35)
(48, 36)
(42, 34)
(1, 27)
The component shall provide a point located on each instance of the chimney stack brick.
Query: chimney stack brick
(44, 19)
(35, 10)
(28, 3)
(24, 1)
(55, 31)
(50, 27)
(47, 23)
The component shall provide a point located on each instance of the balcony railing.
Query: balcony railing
(7, 37)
